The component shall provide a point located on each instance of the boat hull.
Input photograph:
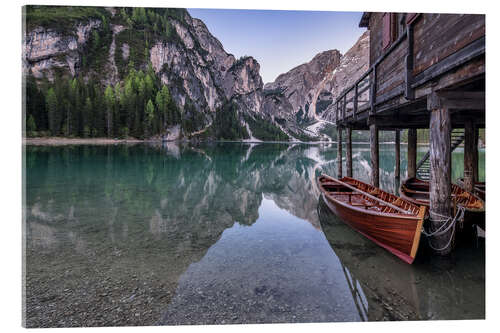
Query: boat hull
(384, 218)
(394, 233)
(479, 188)
(417, 191)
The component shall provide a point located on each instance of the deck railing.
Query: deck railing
(361, 95)
(355, 98)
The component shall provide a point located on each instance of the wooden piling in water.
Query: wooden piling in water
(469, 156)
(444, 78)
(440, 180)
(397, 148)
(349, 152)
(412, 153)
(476, 154)
(339, 152)
(374, 152)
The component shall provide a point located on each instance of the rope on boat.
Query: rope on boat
(448, 223)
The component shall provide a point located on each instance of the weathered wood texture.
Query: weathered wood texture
(436, 40)
(412, 153)
(397, 148)
(374, 153)
(469, 157)
(434, 52)
(440, 180)
(339, 152)
(376, 26)
(349, 152)
(436, 36)
(391, 71)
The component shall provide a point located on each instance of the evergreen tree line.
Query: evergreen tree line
(227, 125)
(140, 107)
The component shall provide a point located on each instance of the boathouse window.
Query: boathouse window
(389, 29)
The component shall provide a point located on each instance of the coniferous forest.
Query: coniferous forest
(82, 106)
(140, 107)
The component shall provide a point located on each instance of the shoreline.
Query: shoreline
(61, 141)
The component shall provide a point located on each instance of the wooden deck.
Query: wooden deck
(426, 71)
(395, 90)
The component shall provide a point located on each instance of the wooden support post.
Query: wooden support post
(469, 156)
(349, 152)
(412, 153)
(476, 154)
(440, 180)
(397, 141)
(339, 152)
(374, 154)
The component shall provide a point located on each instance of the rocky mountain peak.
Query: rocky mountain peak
(103, 45)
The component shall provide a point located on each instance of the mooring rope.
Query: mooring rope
(448, 224)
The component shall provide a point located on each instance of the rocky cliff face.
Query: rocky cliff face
(299, 86)
(200, 74)
(46, 50)
(352, 65)
(303, 96)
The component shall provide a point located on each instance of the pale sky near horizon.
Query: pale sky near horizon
(281, 39)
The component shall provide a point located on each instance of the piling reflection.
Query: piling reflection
(111, 230)
(431, 288)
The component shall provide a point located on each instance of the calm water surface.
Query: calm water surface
(219, 233)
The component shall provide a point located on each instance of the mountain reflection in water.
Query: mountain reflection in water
(210, 233)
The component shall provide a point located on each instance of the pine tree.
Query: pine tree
(87, 118)
(110, 104)
(52, 112)
(148, 119)
(30, 124)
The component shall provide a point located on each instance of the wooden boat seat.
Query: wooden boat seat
(363, 205)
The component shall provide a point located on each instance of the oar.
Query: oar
(370, 196)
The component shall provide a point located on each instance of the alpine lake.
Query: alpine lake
(221, 233)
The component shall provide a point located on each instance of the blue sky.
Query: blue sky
(281, 39)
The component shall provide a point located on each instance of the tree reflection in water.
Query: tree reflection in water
(129, 221)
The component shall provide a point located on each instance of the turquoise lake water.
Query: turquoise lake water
(220, 233)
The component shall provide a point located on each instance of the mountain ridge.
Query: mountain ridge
(154, 72)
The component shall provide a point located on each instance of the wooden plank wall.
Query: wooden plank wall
(376, 36)
(437, 36)
(391, 71)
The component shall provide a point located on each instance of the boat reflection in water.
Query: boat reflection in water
(215, 233)
(384, 288)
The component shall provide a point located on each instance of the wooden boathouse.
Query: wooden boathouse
(426, 71)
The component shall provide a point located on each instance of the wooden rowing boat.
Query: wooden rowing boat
(389, 221)
(417, 191)
(479, 188)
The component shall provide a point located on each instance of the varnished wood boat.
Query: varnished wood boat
(417, 191)
(389, 221)
(479, 188)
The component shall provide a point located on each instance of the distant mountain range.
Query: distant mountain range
(158, 72)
